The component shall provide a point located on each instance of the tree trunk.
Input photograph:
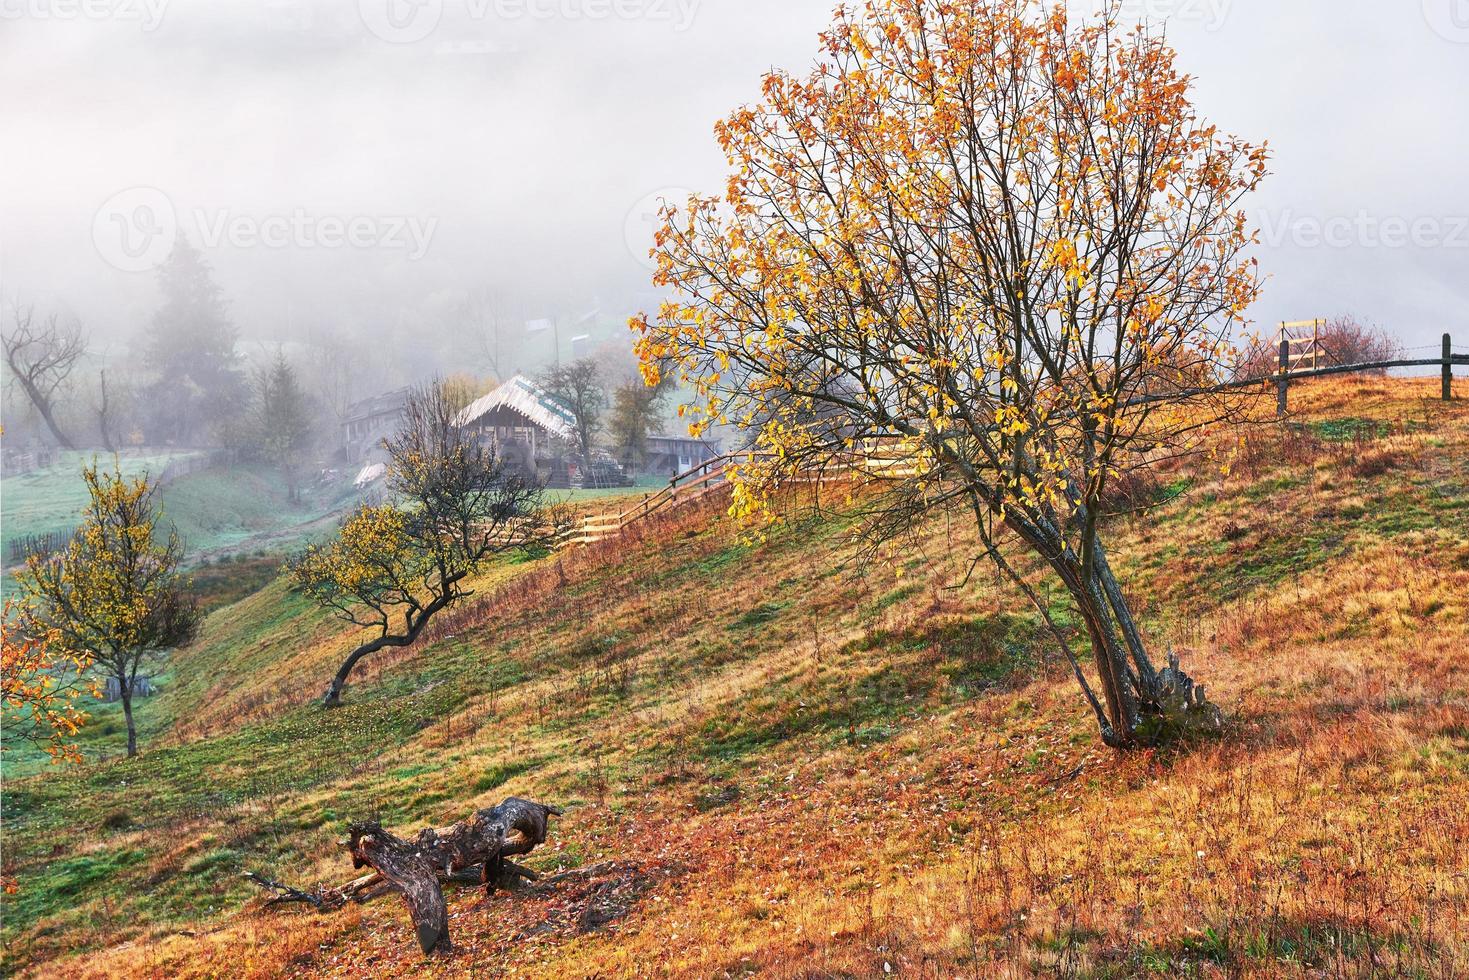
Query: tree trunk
(411, 872)
(333, 697)
(1141, 705)
(126, 690)
(43, 408)
(473, 851)
(103, 425)
(1117, 689)
(414, 867)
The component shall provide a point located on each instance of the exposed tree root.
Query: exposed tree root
(472, 851)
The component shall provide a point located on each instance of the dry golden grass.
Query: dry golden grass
(815, 774)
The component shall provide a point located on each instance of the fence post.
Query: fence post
(1448, 370)
(1284, 382)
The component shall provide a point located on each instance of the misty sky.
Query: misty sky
(346, 162)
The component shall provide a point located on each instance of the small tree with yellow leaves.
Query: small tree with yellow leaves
(40, 684)
(113, 596)
(984, 255)
(454, 506)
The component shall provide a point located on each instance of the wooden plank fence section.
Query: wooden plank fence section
(890, 462)
(1301, 342)
(683, 488)
(177, 469)
(693, 484)
(41, 545)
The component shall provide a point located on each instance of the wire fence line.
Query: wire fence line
(1286, 374)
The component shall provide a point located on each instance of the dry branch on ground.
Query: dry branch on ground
(473, 851)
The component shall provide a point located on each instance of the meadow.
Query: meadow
(783, 761)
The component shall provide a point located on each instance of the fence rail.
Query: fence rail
(41, 545)
(711, 474)
(1288, 372)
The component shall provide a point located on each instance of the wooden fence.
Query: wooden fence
(881, 461)
(189, 465)
(22, 547)
(684, 488)
(1288, 372)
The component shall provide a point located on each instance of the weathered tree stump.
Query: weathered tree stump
(473, 850)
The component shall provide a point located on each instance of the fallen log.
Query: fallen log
(472, 851)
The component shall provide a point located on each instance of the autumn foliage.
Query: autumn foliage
(994, 244)
(114, 594)
(454, 507)
(40, 682)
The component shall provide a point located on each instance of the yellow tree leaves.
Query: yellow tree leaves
(40, 683)
(113, 596)
(980, 230)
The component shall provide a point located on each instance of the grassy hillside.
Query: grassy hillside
(50, 499)
(810, 767)
(218, 512)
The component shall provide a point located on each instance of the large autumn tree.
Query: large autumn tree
(985, 254)
(113, 597)
(453, 507)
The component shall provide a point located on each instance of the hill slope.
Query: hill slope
(803, 769)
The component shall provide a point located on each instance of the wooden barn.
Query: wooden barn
(368, 423)
(532, 432)
(669, 456)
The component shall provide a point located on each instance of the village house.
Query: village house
(368, 422)
(532, 431)
(671, 455)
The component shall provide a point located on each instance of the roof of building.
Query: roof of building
(371, 473)
(529, 399)
(389, 402)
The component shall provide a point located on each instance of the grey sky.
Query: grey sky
(511, 141)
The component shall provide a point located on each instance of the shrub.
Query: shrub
(117, 820)
(1343, 340)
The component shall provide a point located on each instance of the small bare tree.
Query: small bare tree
(579, 387)
(453, 508)
(41, 358)
(485, 316)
